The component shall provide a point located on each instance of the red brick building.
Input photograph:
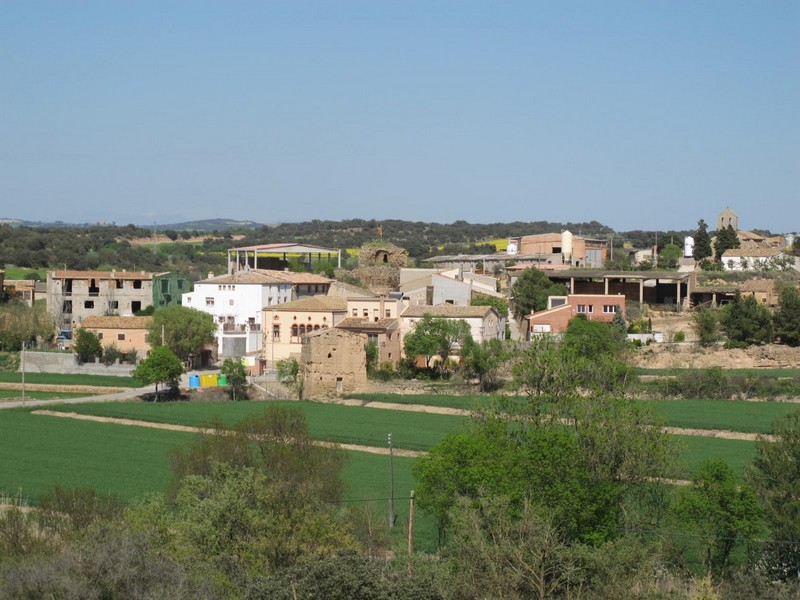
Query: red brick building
(595, 307)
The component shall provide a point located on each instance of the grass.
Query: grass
(59, 379)
(731, 415)
(462, 402)
(17, 395)
(18, 273)
(330, 422)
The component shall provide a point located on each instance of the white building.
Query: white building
(236, 302)
(745, 259)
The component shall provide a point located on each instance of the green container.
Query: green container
(222, 380)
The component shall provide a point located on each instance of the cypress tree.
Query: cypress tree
(702, 242)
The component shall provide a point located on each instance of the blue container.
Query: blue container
(194, 381)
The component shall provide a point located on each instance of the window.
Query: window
(366, 313)
(209, 301)
(121, 337)
(585, 308)
(137, 284)
(88, 304)
(541, 328)
(610, 308)
(165, 286)
(230, 302)
(276, 333)
(100, 336)
(113, 304)
(355, 312)
(118, 283)
(388, 313)
(180, 284)
(581, 308)
(294, 333)
(372, 338)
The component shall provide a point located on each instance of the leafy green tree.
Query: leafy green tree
(22, 323)
(499, 304)
(484, 361)
(787, 318)
(727, 239)
(161, 367)
(373, 356)
(236, 375)
(531, 291)
(435, 336)
(705, 322)
(721, 508)
(776, 477)
(669, 256)
(746, 322)
(702, 242)
(186, 330)
(290, 373)
(87, 345)
(593, 338)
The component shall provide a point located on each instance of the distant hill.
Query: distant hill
(199, 225)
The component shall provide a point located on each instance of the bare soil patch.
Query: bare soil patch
(692, 356)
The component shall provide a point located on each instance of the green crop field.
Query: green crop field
(331, 422)
(40, 452)
(732, 415)
(59, 379)
(694, 450)
(462, 402)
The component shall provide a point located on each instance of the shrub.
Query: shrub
(679, 337)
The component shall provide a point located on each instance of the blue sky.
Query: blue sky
(640, 115)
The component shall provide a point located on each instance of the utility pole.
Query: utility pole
(411, 526)
(23, 373)
(391, 483)
(162, 335)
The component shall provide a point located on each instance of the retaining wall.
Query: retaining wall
(65, 363)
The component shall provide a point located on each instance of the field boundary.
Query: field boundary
(55, 387)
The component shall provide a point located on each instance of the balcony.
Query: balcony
(240, 328)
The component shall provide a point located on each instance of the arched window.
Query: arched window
(294, 331)
(302, 329)
(316, 327)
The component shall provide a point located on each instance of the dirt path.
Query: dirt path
(443, 410)
(187, 429)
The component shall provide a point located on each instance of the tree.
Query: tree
(290, 373)
(531, 291)
(236, 375)
(787, 318)
(720, 508)
(702, 242)
(499, 304)
(186, 330)
(161, 367)
(435, 336)
(746, 322)
(669, 256)
(87, 345)
(705, 322)
(373, 356)
(22, 323)
(727, 239)
(484, 361)
(776, 477)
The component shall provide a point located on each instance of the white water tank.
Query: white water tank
(512, 247)
(688, 247)
(790, 239)
(566, 246)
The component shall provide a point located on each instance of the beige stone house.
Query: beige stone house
(286, 324)
(124, 333)
(484, 321)
(334, 363)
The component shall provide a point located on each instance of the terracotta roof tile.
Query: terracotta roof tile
(112, 322)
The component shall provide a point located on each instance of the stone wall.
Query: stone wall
(65, 363)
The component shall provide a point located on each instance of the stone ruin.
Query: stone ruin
(379, 265)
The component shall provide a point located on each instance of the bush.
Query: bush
(385, 372)
(111, 354)
(679, 337)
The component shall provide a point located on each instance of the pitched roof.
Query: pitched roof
(112, 322)
(292, 277)
(452, 311)
(348, 290)
(312, 303)
(243, 277)
(361, 324)
(747, 252)
(547, 312)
